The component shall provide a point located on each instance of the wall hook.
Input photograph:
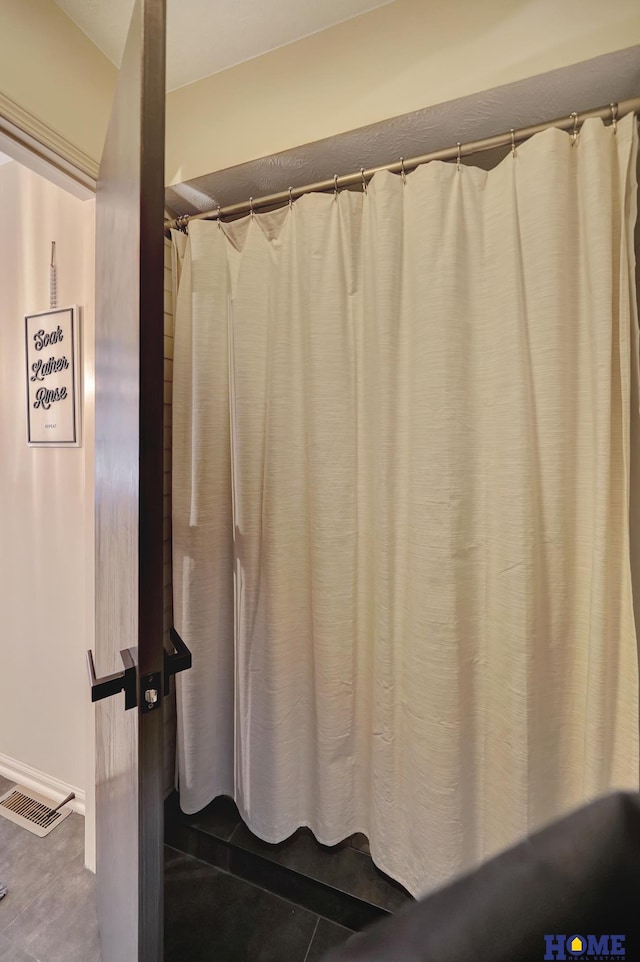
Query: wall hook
(53, 281)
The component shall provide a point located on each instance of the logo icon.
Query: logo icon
(608, 948)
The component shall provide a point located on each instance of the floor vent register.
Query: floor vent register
(35, 812)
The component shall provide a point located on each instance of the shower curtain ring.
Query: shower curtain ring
(364, 180)
(290, 199)
(574, 135)
(458, 164)
(219, 217)
(251, 206)
(614, 117)
(402, 171)
(335, 185)
(514, 152)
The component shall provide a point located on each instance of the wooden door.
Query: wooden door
(129, 384)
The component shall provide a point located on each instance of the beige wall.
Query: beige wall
(405, 56)
(46, 496)
(52, 70)
(401, 57)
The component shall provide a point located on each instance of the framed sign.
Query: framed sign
(53, 370)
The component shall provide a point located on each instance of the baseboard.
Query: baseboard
(47, 785)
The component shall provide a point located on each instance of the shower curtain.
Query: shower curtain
(401, 505)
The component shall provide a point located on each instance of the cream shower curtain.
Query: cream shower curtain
(401, 505)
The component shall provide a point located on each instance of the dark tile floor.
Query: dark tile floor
(346, 867)
(211, 916)
(49, 912)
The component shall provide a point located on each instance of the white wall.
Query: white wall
(46, 496)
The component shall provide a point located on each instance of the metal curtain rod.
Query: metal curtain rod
(613, 112)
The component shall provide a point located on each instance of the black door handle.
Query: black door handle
(112, 684)
(178, 660)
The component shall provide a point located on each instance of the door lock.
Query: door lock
(150, 688)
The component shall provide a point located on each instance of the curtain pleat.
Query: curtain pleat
(401, 498)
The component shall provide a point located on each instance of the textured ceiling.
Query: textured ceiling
(205, 36)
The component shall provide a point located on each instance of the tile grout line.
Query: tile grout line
(256, 885)
(235, 829)
(313, 935)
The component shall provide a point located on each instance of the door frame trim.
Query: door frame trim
(30, 137)
(38, 148)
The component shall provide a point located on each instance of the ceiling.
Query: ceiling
(4, 159)
(206, 36)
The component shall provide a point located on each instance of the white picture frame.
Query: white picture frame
(53, 378)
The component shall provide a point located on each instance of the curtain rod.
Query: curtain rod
(613, 112)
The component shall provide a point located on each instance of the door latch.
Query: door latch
(150, 692)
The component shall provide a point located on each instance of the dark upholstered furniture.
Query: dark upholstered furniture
(581, 875)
